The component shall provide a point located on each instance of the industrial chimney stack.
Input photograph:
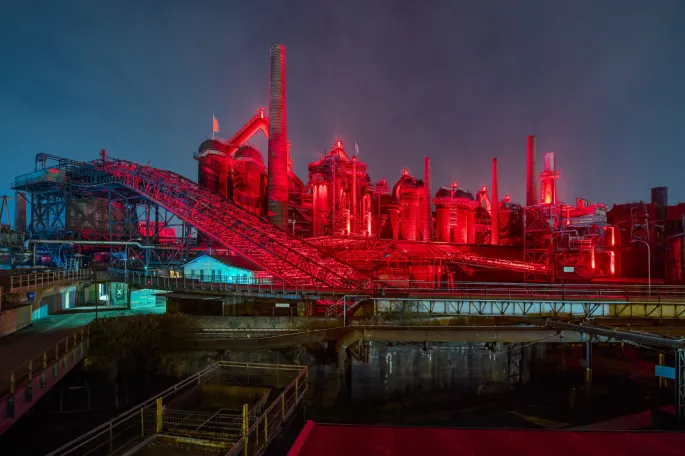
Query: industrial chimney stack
(494, 230)
(531, 177)
(428, 222)
(277, 190)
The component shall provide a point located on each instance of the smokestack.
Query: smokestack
(354, 193)
(428, 222)
(531, 178)
(494, 230)
(277, 189)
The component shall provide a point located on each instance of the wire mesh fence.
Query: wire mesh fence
(281, 389)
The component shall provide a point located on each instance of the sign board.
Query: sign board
(282, 304)
(31, 295)
(569, 269)
(664, 371)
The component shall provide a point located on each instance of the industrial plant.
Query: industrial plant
(337, 225)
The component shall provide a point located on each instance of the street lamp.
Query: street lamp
(126, 256)
(649, 265)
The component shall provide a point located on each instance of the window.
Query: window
(192, 273)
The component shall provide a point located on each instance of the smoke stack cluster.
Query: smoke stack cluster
(531, 178)
(277, 189)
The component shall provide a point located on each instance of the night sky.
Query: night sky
(602, 83)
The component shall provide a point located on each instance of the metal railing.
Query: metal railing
(61, 354)
(257, 436)
(236, 430)
(401, 288)
(26, 282)
(529, 291)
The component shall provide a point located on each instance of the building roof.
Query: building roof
(340, 440)
(230, 260)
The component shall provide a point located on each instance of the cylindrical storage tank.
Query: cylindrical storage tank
(471, 227)
(409, 203)
(394, 219)
(459, 229)
(442, 224)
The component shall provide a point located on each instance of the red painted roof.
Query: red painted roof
(339, 440)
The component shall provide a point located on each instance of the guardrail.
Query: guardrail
(406, 288)
(26, 282)
(132, 429)
(57, 355)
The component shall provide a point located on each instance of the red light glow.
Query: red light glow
(592, 257)
(612, 263)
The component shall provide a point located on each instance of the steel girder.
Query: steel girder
(251, 236)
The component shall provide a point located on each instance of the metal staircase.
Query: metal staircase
(254, 238)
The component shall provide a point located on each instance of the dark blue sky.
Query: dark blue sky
(602, 83)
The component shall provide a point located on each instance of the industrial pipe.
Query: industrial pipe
(616, 335)
(135, 243)
(428, 222)
(354, 193)
(494, 230)
(277, 189)
(531, 187)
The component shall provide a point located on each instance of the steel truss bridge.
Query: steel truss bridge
(129, 188)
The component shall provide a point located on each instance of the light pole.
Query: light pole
(649, 265)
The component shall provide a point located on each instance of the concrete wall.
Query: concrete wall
(12, 320)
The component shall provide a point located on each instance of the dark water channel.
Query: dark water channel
(447, 385)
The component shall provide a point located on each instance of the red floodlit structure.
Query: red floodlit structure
(340, 228)
(340, 205)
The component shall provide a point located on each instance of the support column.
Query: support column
(588, 369)
(680, 383)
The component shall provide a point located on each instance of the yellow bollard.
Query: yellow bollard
(12, 383)
(142, 422)
(266, 428)
(159, 419)
(297, 387)
(588, 382)
(283, 407)
(662, 380)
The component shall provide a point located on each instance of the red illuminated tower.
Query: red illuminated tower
(494, 230)
(277, 190)
(428, 221)
(548, 180)
(531, 187)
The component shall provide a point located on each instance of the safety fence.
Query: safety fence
(48, 363)
(251, 428)
(403, 288)
(27, 282)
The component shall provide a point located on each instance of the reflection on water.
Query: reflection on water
(392, 371)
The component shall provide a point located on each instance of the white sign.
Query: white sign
(282, 304)
(568, 269)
